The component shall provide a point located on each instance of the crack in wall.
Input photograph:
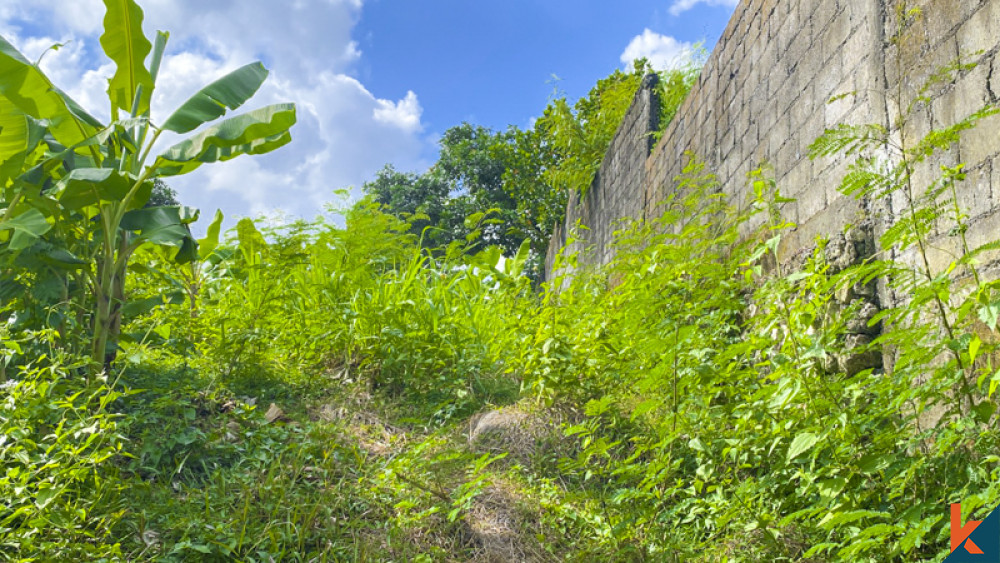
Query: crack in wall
(989, 80)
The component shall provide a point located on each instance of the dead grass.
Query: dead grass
(522, 431)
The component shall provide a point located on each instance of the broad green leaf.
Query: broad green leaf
(13, 130)
(20, 135)
(24, 85)
(801, 444)
(208, 244)
(256, 132)
(515, 266)
(125, 44)
(990, 314)
(27, 227)
(46, 495)
(248, 235)
(90, 186)
(61, 258)
(188, 215)
(163, 226)
(984, 411)
(230, 91)
(472, 221)
(974, 346)
(159, 225)
(830, 488)
(136, 308)
(490, 257)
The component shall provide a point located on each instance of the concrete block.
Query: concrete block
(982, 142)
(984, 229)
(787, 157)
(798, 179)
(809, 131)
(981, 31)
(942, 17)
(973, 194)
(830, 80)
(811, 201)
(837, 31)
(967, 96)
(822, 15)
(857, 49)
(788, 29)
(835, 110)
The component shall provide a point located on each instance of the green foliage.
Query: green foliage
(715, 416)
(77, 192)
(486, 186)
(580, 135)
(517, 182)
(58, 439)
(303, 392)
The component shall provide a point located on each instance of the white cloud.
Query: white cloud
(404, 114)
(681, 6)
(662, 51)
(344, 134)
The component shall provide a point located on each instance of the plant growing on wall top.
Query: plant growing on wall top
(73, 189)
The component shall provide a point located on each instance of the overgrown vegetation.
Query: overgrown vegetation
(502, 188)
(369, 392)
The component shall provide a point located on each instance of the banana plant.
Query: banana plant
(188, 279)
(77, 187)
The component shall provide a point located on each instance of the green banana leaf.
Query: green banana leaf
(24, 85)
(19, 137)
(207, 245)
(162, 226)
(256, 132)
(230, 91)
(28, 227)
(60, 258)
(134, 309)
(125, 44)
(187, 214)
(84, 187)
(13, 130)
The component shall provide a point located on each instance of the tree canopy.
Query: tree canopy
(513, 185)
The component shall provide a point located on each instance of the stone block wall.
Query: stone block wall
(969, 31)
(618, 188)
(762, 99)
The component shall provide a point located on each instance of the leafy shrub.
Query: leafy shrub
(58, 441)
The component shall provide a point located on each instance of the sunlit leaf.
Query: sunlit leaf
(24, 85)
(255, 132)
(228, 92)
(801, 444)
(27, 227)
(126, 45)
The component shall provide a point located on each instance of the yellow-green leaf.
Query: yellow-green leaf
(125, 44)
(211, 102)
(24, 85)
(255, 132)
(801, 444)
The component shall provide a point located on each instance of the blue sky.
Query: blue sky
(493, 62)
(375, 81)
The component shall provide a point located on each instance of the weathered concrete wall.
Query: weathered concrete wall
(948, 30)
(618, 189)
(762, 99)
